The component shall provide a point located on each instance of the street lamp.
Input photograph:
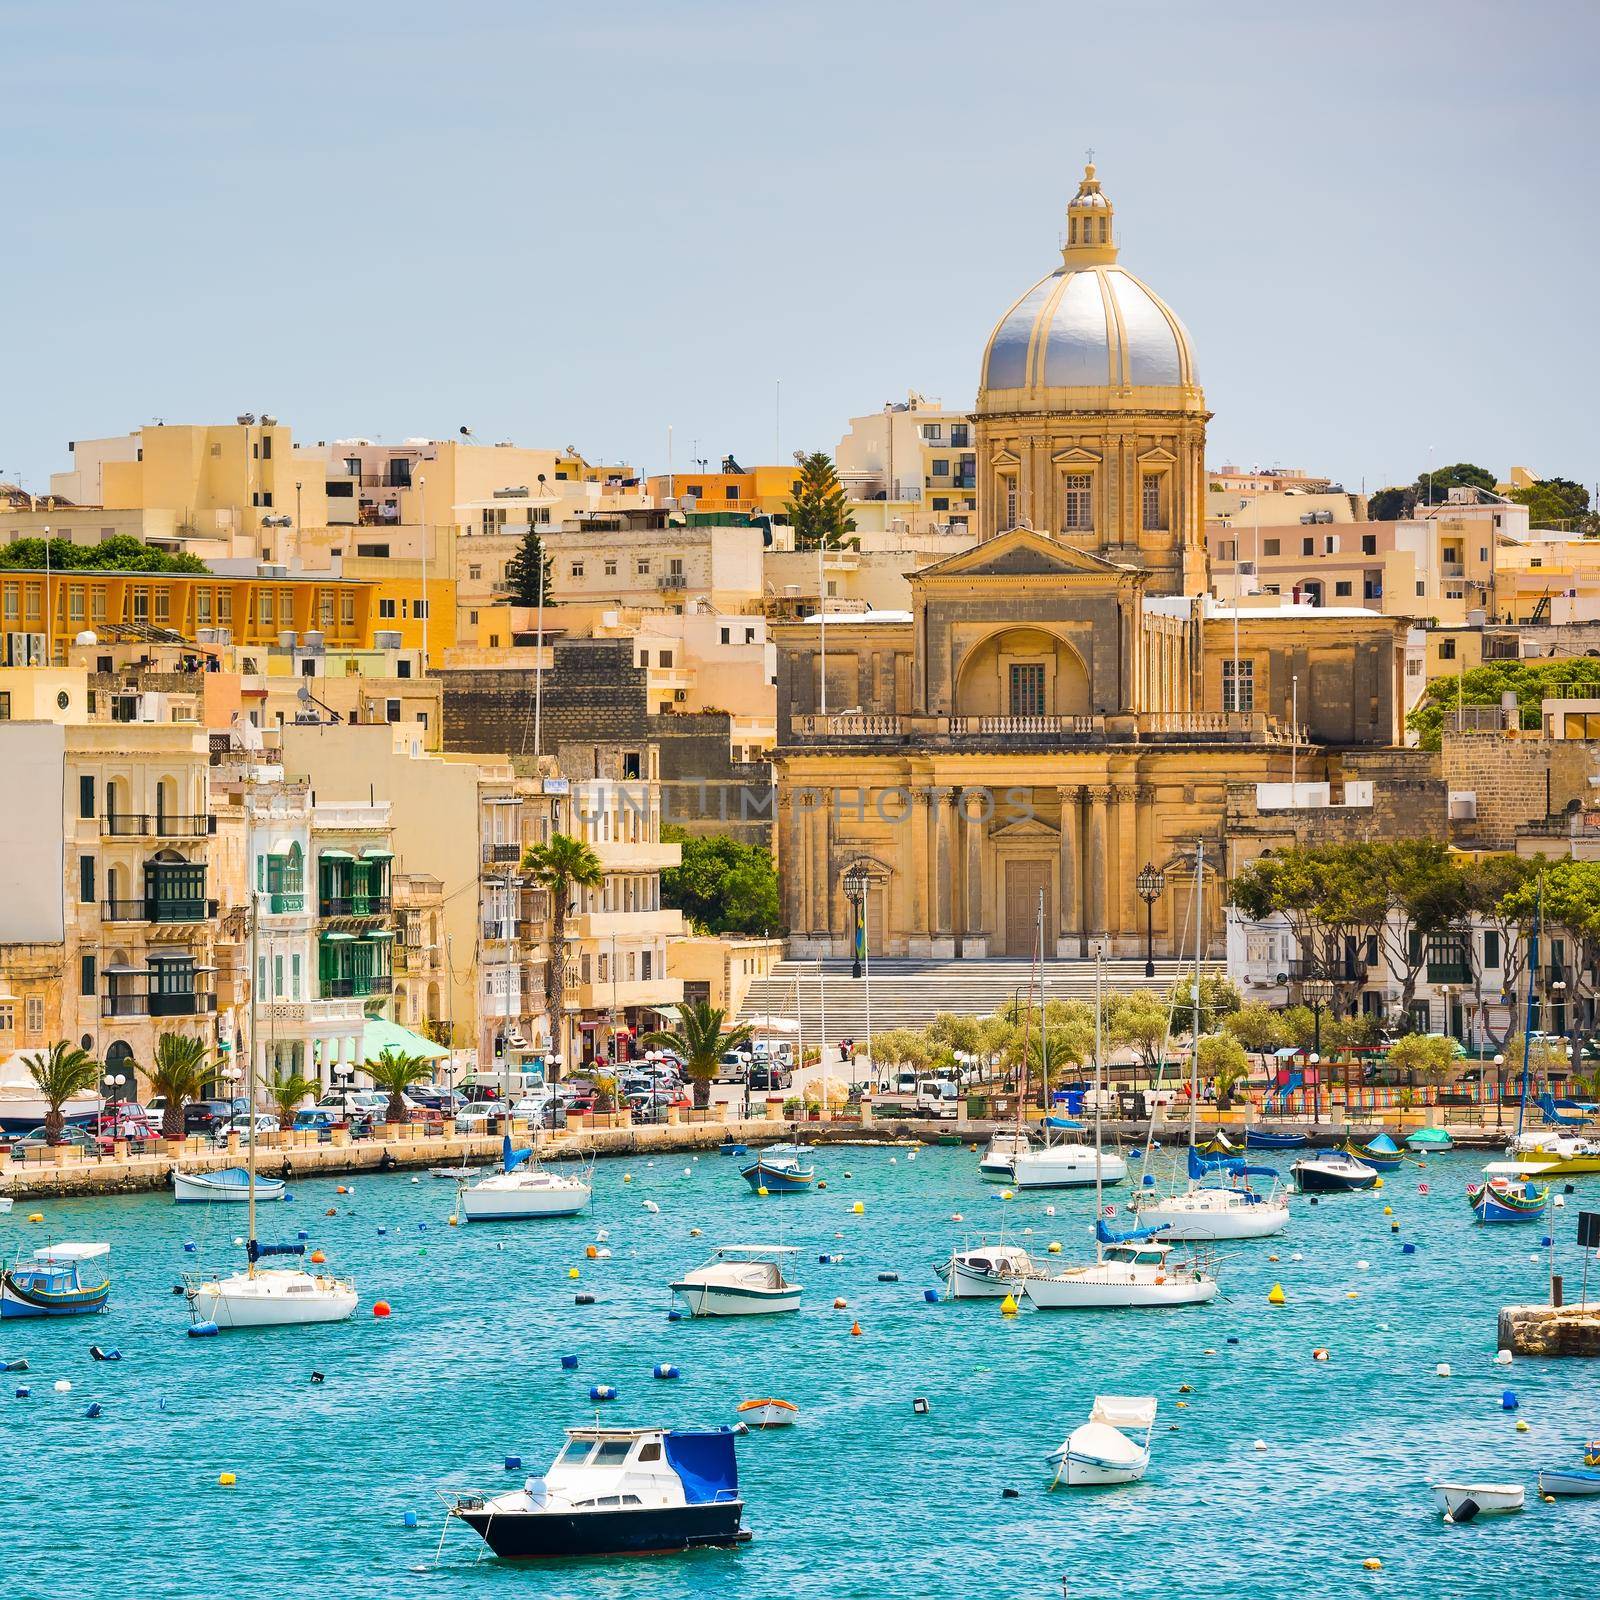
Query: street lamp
(855, 890)
(1499, 1091)
(1152, 881)
(1316, 993)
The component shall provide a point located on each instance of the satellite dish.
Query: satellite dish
(303, 695)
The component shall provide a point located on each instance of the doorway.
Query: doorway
(1025, 881)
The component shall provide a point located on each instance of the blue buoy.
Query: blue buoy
(602, 1391)
(302, 1235)
(1233, 1338)
(189, 1247)
(24, 1392)
(822, 1261)
(569, 1363)
(665, 1369)
(1544, 1243)
(1408, 1249)
(1508, 1400)
(1148, 1180)
(674, 1315)
(104, 1355)
(408, 1519)
(513, 1463)
(204, 1330)
(287, 1198)
(382, 1231)
(931, 1296)
(92, 1411)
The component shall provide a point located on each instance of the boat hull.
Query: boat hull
(514, 1205)
(768, 1414)
(1262, 1139)
(1570, 1481)
(546, 1535)
(995, 1169)
(1312, 1179)
(1491, 1498)
(1189, 1224)
(270, 1301)
(189, 1188)
(1088, 1292)
(724, 1300)
(1380, 1160)
(1060, 1169)
(965, 1283)
(18, 1299)
(1436, 1145)
(779, 1180)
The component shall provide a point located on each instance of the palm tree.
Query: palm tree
(181, 1071)
(396, 1071)
(562, 865)
(287, 1093)
(58, 1074)
(701, 1041)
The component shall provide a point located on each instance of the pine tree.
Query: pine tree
(819, 512)
(528, 571)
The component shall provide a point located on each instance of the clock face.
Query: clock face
(63, 699)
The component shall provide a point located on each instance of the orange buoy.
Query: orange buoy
(380, 1308)
(317, 1258)
(591, 1252)
(855, 1330)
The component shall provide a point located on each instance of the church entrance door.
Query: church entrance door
(1024, 881)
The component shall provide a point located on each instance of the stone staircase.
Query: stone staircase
(910, 994)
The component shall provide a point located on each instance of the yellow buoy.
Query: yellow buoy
(1372, 1564)
(36, 1216)
(859, 1209)
(1522, 1427)
(1008, 1306)
(627, 1177)
(1276, 1296)
(572, 1272)
(1005, 1194)
(763, 1190)
(1185, 1388)
(1388, 1211)
(454, 1220)
(1054, 1247)
(226, 1480)
(1378, 1184)
(1350, 1294)
(1182, 1405)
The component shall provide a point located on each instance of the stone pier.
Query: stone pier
(1550, 1330)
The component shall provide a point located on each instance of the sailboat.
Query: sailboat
(265, 1297)
(522, 1188)
(1129, 1269)
(1225, 1207)
(1057, 1163)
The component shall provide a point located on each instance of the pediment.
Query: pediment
(1076, 455)
(1023, 552)
(1158, 454)
(1024, 828)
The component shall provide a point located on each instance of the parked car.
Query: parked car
(204, 1116)
(769, 1078)
(266, 1122)
(477, 1117)
(33, 1141)
(318, 1118)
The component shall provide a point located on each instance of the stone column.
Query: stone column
(943, 865)
(1069, 892)
(915, 842)
(975, 941)
(821, 876)
(1126, 868)
(1098, 862)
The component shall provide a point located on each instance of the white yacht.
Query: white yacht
(1066, 1166)
(1005, 1145)
(270, 1297)
(1226, 1208)
(522, 1189)
(740, 1280)
(1129, 1273)
(1105, 1449)
(985, 1272)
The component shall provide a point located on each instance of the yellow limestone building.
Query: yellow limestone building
(1056, 710)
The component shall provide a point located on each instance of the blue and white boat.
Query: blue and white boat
(63, 1281)
(1569, 1481)
(780, 1169)
(617, 1491)
(1501, 1199)
(229, 1186)
(1267, 1139)
(1381, 1153)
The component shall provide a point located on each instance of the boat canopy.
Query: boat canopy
(1063, 1122)
(754, 1252)
(705, 1464)
(512, 1159)
(1383, 1145)
(1107, 1236)
(1200, 1165)
(68, 1252)
(255, 1250)
(1125, 1410)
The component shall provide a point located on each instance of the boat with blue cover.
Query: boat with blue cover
(230, 1186)
(617, 1491)
(1382, 1153)
(63, 1281)
(780, 1169)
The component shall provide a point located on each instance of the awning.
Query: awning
(284, 847)
(123, 972)
(170, 955)
(381, 933)
(334, 938)
(334, 855)
(379, 1035)
(376, 852)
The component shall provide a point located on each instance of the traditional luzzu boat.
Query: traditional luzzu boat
(1381, 1153)
(780, 1169)
(1430, 1141)
(61, 1282)
(1273, 1139)
(230, 1186)
(1503, 1199)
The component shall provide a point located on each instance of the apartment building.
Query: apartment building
(420, 973)
(911, 468)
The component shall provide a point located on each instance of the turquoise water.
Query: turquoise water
(864, 1498)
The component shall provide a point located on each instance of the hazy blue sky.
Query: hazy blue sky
(577, 223)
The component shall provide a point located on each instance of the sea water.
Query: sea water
(864, 1497)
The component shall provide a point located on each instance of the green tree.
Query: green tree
(1531, 681)
(60, 1074)
(528, 570)
(700, 1041)
(1138, 1019)
(181, 1072)
(1392, 505)
(1258, 1028)
(1223, 1061)
(287, 1096)
(1434, 488)
(1219, 997)
(901, 1047)
(819, 512)
(1426, 1055)
(120, 553)
(722, 886)
(395, 1071)
(1558, 503)
(559, 866)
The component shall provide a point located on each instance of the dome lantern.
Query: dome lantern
(1091, 234)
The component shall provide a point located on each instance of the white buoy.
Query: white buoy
(602, 1234)
(1442, 1370)
(1297, 1256)
(651, 1206)
(238, 1243)
(1502, 1358)
(63, 1386)
(1363, 1266)
(688, 1172)
(1261, 1444)
(1560, 1200)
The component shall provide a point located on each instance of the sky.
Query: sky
(584, 224)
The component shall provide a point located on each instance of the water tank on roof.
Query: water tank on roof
(314, 641)
(286, 637)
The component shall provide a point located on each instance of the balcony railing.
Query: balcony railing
(358, 905)
(1447, 971)
(185, 908)
(965, 727)
(124, 911)
(183, 1004)
(1342, 969)
(286, 902)
(154, 825)
(1248, 727)
(357, 987)
(499, 854)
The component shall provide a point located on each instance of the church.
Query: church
(1064, 704)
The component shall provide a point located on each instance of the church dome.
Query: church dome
(1089, 325)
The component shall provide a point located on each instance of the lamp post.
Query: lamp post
(1499, 1090)
(855, 890)
(1151, 881)
(1316, 993)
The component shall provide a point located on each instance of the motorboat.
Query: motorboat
(1461, 1502)
(1332, 1172)
(6, 1203)
(230, 1186)
(1549, 1153)
(63, 1280)
(617, 1491)
(986, 1271)
(1559, 1481)
(1068, 1165)
(1113, 1446)
(780, 1169)
(270, 1297)
(1273, 1139)
(769, 1413)
(1505, 1199)
(740, 1280)
(1430, 1141)
(1382, 1154)
(994, 1165)
(1131, 1271)
(522, 1189)
(1210, 1211)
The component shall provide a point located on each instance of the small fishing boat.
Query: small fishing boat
(1430, 1141)
(1572, 1481)
(769, 1413)
(617, 1491)
(1332, 1172)
(1461, 1502)
(1382, 1153)
(521, 1189)
(1503, 1199)
(730, 1147)
(1005, 1144)
(1270, 1139)
(1104, 1449)
(740, 1280)
(985, 1272)
(780, 1169)
(458, 1174)
(230, 1186)
(61, 1282)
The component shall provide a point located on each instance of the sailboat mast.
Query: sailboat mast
(250, 1067)
(1099, 1169)
(1527, 1021)
(1044, 1025)
(1194, 990)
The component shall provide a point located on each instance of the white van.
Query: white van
(938, 1097)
